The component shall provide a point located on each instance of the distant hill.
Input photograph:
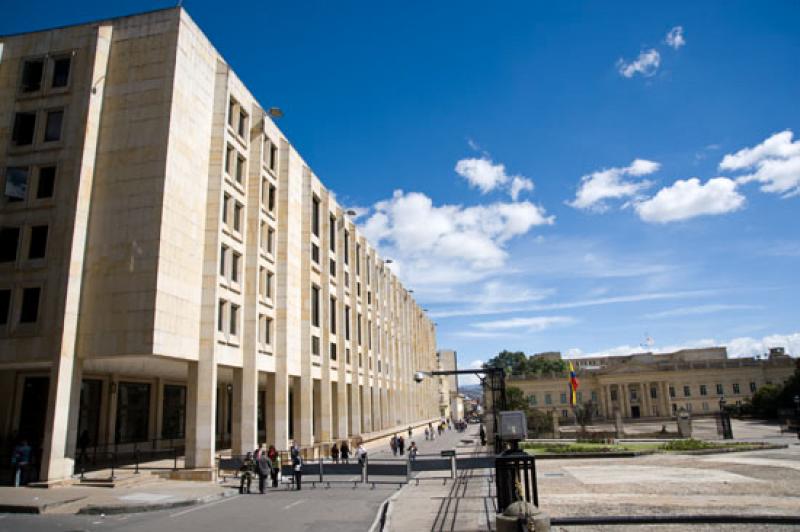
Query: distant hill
(473, 391)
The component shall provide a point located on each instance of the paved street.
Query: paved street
(336, 509)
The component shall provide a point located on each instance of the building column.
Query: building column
(244, 426)
(625, 400)
(204, 401)
(316, 410)
(667, 399)
(326, 412)
(61, 425)
(341, 399)
(355, 407)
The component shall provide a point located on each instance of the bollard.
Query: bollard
(175, 459)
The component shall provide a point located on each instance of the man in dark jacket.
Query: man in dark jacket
(248, 466)
(264, 469)
(297, 469)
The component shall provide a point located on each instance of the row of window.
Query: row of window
(26, 133)
(45, 73)
(720, 389)
(22, 179)
(28, 306)
(735, 388)
(10, 240)
(239, 122)
(229, 323)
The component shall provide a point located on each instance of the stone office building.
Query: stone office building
(649, 385)
(171, 268)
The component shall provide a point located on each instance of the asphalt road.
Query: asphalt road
(335, 509)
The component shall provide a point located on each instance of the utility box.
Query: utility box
(513, 425)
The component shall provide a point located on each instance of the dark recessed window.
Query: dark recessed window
(47, 181)
(333, 351)
(52, 131)
(5, 306)
(61, 72)
(315, 253)
(273, 156)
(24, 128)
(30, 305)
(16, 183)
(315, 306)
(32, 75)
(38, 244)
(315, 345)
(9, 241)
(332, 233)
(272, 192)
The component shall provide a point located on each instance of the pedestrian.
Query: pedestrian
(83, 442)
(401, 445)
(275, 459)
(483, 435)
(297, 468)
(427, 434)
(263, 468)
(247, 468)
(20, 459)
(335, 453)
(344, 451)
(295, 449)
(393, 444)
(361, 454)
(412, 451)
(409, 432)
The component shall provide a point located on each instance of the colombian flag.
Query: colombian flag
(573, 385)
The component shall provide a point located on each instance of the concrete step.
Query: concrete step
(119, 481)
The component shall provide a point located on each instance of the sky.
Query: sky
(590, 178)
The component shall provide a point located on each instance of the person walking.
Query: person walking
(248, 466)
(412, 451)
(344, 451)
(410, 432)
(263, 468)
(361, 454)
(20, 459)
(275, 459)
(393, 445)
(483, 435)
(335, 453)
(401, 445)
(427, 434)
(297, 468)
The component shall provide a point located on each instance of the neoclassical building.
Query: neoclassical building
(170, 267)
(648, 385)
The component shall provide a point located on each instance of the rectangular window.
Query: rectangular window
(237, 216)
(315, 306)
(52, 129)
(346, 247)
(174, 408)
(719, 389)
(752, 386)
(236, 260)
(315, 346)
(221, 316)
(16, 183)
(231, 111)
(672, 391)
(240, 169)
(703, 389)
(347, 355)
(315, 253)
(333, 351)
(369, 335)
(347, 323)
(315, 215)
(687, 391)
(272, 193)
(332, 314)
(5, 306)
(47, 180)
(268, 331)
(234, 321)
(60, 72)
(594, 396)
(653, 393)
(358, 328)
(736, 388)
(242, 123)
(271, 241)
(269, 285)
(226, 199)
(273, 156)
(24, 129)
(32, 71)
(563, 398)
(332, 233)
(548, 399)
(9, 242)
(613, 395)
(133, 412)
(223, 259)
(358, 259)
(30, 305)
(332, 267)
(38, 243)
(633, 395)
(532, 399)
(262, 281)
(228, 159)
(264, 191)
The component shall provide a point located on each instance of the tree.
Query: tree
(766, 400)
(515, 398)
(512, 362)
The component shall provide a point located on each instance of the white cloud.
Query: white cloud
(776, 164)
(608, 183)
(689, 198)
(531, 324)
(737, 347)
(448, 244)
(675, 37)
(487, 176)
(646, 64)
(465, 380)
(698, 310)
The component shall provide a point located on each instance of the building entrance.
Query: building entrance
(635, 412)
(32, 416)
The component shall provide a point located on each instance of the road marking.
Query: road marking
(201, 506)
(295, 503)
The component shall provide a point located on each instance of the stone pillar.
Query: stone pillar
(205, 415)
(61, 425)
(316, 410)
(355, 407)
(191, 414)
(326, 410)
(624, 401)
(280, 409)
(341, 393)
(245, 411)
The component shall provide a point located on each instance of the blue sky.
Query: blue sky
(607, 111)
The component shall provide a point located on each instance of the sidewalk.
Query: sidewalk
(143, 497)
(464, 504)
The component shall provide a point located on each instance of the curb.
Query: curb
(35, 508)
(151, 507)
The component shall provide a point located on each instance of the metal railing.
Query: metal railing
(133, 455)
(516, 479)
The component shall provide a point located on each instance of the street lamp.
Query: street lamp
(722, 403)
(350, 212)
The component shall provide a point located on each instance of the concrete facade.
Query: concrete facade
(649, 385)
(194, 282)
(448, 360)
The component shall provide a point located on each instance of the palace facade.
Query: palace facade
(171, 270)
